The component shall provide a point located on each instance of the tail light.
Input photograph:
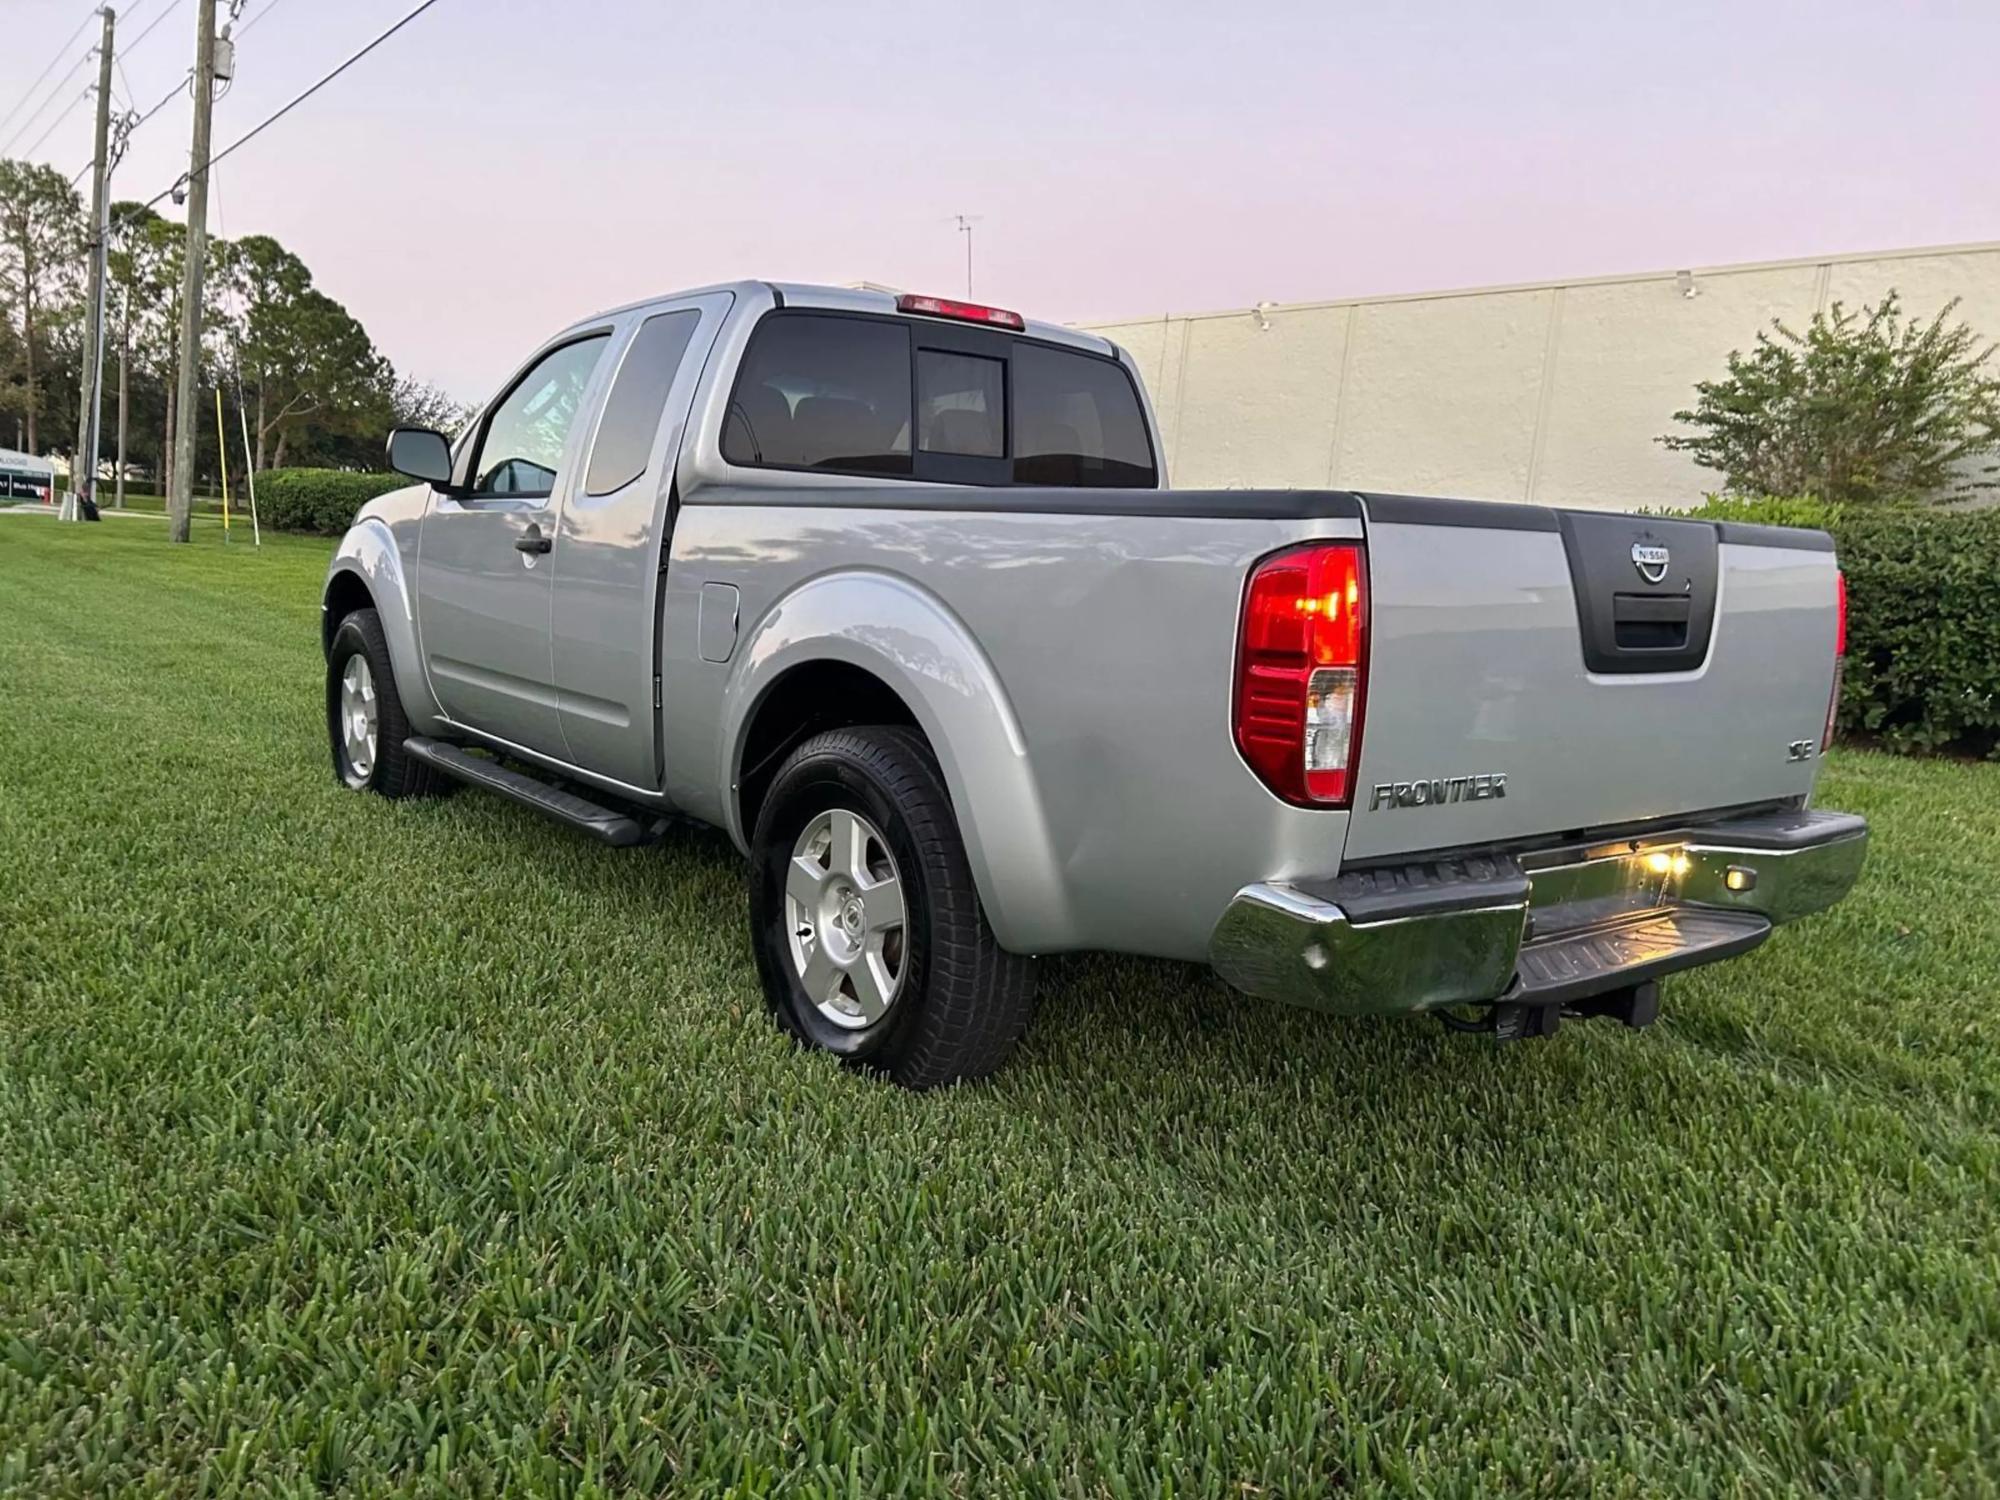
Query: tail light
(1839, 659)
(965, 312)
(1302, 672)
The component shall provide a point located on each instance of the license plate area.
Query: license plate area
(1604, 888)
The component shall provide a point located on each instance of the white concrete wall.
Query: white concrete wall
(1553, 393)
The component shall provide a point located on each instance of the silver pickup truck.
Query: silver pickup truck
(893, 590)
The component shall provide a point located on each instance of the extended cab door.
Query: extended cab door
(484, 564)
(611, 545)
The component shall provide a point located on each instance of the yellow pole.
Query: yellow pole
(222, 453)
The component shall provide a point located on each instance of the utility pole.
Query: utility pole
(180, 502)
(124, 389)
(83, 467)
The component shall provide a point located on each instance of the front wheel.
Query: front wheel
(869, 934)
(365, 723)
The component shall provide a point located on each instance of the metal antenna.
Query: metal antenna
(965, 223)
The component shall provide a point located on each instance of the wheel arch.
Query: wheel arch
(860, 648)
(367, 572)
(808, 698)
(346, 591)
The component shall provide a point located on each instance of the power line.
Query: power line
(270, 6)
(67, 112)
(43, 77)
(130, 99)
(151, 26)
(183, 87)
(54, 94)
(271, 119)
(138, 120)
(165, 99)
(130, 15)
(179, 88)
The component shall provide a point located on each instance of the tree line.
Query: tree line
(313, 387)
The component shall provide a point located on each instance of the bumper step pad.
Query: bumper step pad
(1555, 970)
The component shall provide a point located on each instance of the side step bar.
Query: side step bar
(601, 823)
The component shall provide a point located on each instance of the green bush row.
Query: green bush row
(1923, 618)
(320, 501)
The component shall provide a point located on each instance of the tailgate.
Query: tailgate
(1534, 672)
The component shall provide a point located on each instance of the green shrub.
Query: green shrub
(1923, 618)
(1868, 408)
(320, 501)
(1770, 510)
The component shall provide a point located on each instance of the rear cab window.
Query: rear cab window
(917, 398)
(1077, 421)
(961, 404)
(822, 392)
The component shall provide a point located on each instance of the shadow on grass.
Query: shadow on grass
(1112, 1022)
(1154, 1063)
(1098, 1016)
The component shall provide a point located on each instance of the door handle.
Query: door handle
(532, 541)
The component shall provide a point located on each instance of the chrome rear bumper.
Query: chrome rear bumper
(1541, 928)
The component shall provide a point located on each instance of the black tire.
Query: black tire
(963, 1001)
(394, 773)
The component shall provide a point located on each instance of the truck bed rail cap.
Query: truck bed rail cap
(1033, 500)
(1430, 510)
(1799, 538)
(1509, 515)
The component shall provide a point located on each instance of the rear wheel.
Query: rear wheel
(365, 723)
(869, 934)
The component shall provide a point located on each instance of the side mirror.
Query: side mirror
(421, 454)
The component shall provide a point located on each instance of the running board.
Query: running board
(601, 823)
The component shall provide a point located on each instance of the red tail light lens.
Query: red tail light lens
(965, 312)
(1301, 672)
(1839, 659)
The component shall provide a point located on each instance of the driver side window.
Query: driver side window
(524, 439)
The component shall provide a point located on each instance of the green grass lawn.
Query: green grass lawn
(156, 505)
(429, 1148)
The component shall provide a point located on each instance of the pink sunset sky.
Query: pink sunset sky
(498, 169)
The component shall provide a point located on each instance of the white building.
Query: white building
(25, 477)
(1551, 393)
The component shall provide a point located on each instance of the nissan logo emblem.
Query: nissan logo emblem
(1651, 559)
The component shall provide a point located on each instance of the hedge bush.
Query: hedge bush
(1923, 618)
(319, 501)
